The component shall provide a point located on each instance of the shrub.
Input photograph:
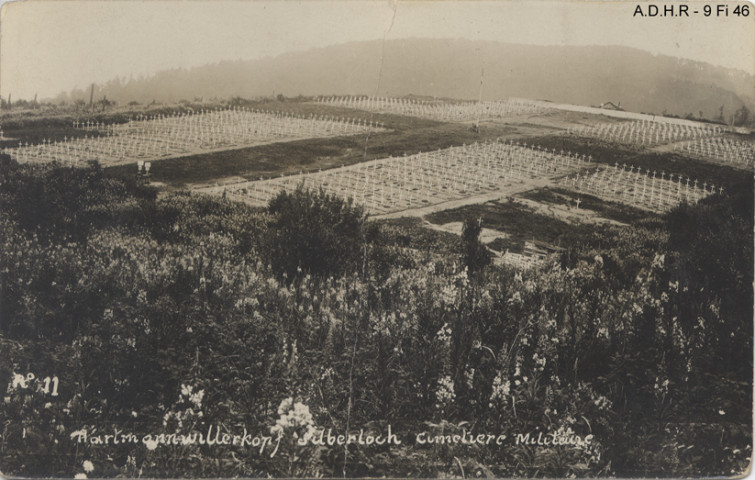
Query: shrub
(313, 232)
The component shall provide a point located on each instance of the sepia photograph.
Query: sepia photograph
(376, 239)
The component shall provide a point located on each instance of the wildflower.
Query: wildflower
(448, 294)
(150, 444)
(88, 466)
(444, 334)
(501, 389)
(602, 402)
(293, 415)
(603, 332)
(196, 398)
(445, 392)
(186, 390)
(659, 260)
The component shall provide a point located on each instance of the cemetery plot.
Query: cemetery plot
(442, 111)
(654, 191)
(720, 150)
(163, 136)
(644, 132)
(396, 184)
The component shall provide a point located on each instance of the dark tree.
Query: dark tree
(474, 254)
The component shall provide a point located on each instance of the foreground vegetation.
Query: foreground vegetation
(173, 313)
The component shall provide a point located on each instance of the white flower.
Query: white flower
(196, 398)
(500, 388)
(292, 415)
(285, 405)
(88, 466)
(448, 294)
(150, 444)
(445, 392)
(80, 476)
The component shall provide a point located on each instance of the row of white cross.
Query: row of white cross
(655, 191)
(443, 111)
(396, 184)
(721, 150)
(162, 136)
(644, 132)
(231, 116)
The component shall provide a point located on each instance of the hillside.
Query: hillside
(588, 75)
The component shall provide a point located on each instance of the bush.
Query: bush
(61, 204)
(313, 233)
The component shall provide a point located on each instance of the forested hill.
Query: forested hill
(585, 75)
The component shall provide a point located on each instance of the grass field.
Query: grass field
(611, 210)
(520, 223)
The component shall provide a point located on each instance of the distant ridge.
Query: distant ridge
(583, 75)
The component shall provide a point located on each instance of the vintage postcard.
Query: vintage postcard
(359, 239)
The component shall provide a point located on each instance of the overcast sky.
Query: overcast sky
(47, 46)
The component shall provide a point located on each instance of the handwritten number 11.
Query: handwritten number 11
(46, 387)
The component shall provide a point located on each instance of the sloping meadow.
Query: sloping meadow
(132, 323)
